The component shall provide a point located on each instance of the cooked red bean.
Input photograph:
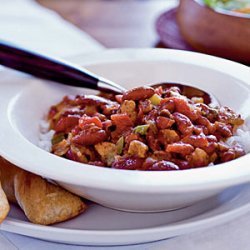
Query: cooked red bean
(184, 124)
(164, 122)
(140, 93)
(223, 130)
(144, 129)
(148, 163)
(91, 100)
(90, 136)
(65, 124)
(196, 140)
(129, 162)
(182, 164)
(163, 166)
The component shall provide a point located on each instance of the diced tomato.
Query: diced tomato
(84, 120)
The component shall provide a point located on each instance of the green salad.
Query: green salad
(242, 6)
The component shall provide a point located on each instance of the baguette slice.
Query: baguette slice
(4, 205)
(8, 172)
(43, 202)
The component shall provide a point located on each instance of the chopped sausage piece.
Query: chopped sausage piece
(122, 120)
(167, 136)
(199, 158)
(123, 123)
(138, 148)
(107, 151)
(180, 148)
(129, 107)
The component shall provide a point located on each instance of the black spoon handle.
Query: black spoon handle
(52, 69)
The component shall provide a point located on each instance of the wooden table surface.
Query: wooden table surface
(114, 23)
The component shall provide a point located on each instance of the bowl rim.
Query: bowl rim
(223, 11)
(128, 180)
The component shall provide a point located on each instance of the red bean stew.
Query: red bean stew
(144, 129)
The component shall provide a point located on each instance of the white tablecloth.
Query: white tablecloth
(28, 24)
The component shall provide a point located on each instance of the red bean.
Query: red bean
(196, 140)
(129, 162)
(91, 100)
(65, 124)
(167, 104)
(140, 93)
(184, 124)
(164, 122)
(163, 166)
(90, 136)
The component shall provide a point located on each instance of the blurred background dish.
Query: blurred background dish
(222, 33)
(169, 31)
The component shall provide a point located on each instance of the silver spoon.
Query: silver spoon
(64, 72)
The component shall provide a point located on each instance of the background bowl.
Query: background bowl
(23, 105)
(221, 33)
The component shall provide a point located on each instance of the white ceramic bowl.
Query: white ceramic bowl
(26, 101)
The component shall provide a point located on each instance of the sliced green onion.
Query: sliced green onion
(141, 129)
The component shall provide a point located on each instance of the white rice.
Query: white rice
(242, 136)
(45, 136)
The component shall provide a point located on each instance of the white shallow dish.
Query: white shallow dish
(104, 226)
(23, 103)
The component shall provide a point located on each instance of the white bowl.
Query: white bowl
(26, 101)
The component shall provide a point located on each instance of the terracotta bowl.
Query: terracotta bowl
(217, 32)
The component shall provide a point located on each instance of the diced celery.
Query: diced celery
(120, 145)
(141, 129)
(155, 99)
